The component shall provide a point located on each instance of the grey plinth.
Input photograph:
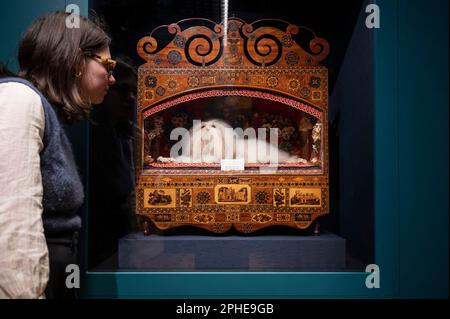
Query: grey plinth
(234, 253)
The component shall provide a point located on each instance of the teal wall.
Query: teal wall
(15, 17)
(411, 145)
(423, 147)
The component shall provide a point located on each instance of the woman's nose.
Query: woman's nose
(111, 80)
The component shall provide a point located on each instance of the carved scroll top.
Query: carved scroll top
(203, 43)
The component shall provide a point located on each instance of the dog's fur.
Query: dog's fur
(211, 138)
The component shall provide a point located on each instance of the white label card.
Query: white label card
(232, 164)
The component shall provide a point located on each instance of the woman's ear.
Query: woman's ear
(80, 64)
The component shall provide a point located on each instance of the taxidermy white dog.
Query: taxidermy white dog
(214, 140)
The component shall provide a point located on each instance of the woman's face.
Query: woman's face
(96, 79)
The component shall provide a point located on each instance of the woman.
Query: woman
(63, 72)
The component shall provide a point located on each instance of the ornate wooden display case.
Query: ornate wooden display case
(247, 75)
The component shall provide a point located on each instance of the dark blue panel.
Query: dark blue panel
(352, 146)
(232, 253)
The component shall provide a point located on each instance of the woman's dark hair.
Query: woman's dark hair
(52, 55)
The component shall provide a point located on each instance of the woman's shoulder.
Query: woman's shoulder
(18, 85)
(13, 85)
(14, 94)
